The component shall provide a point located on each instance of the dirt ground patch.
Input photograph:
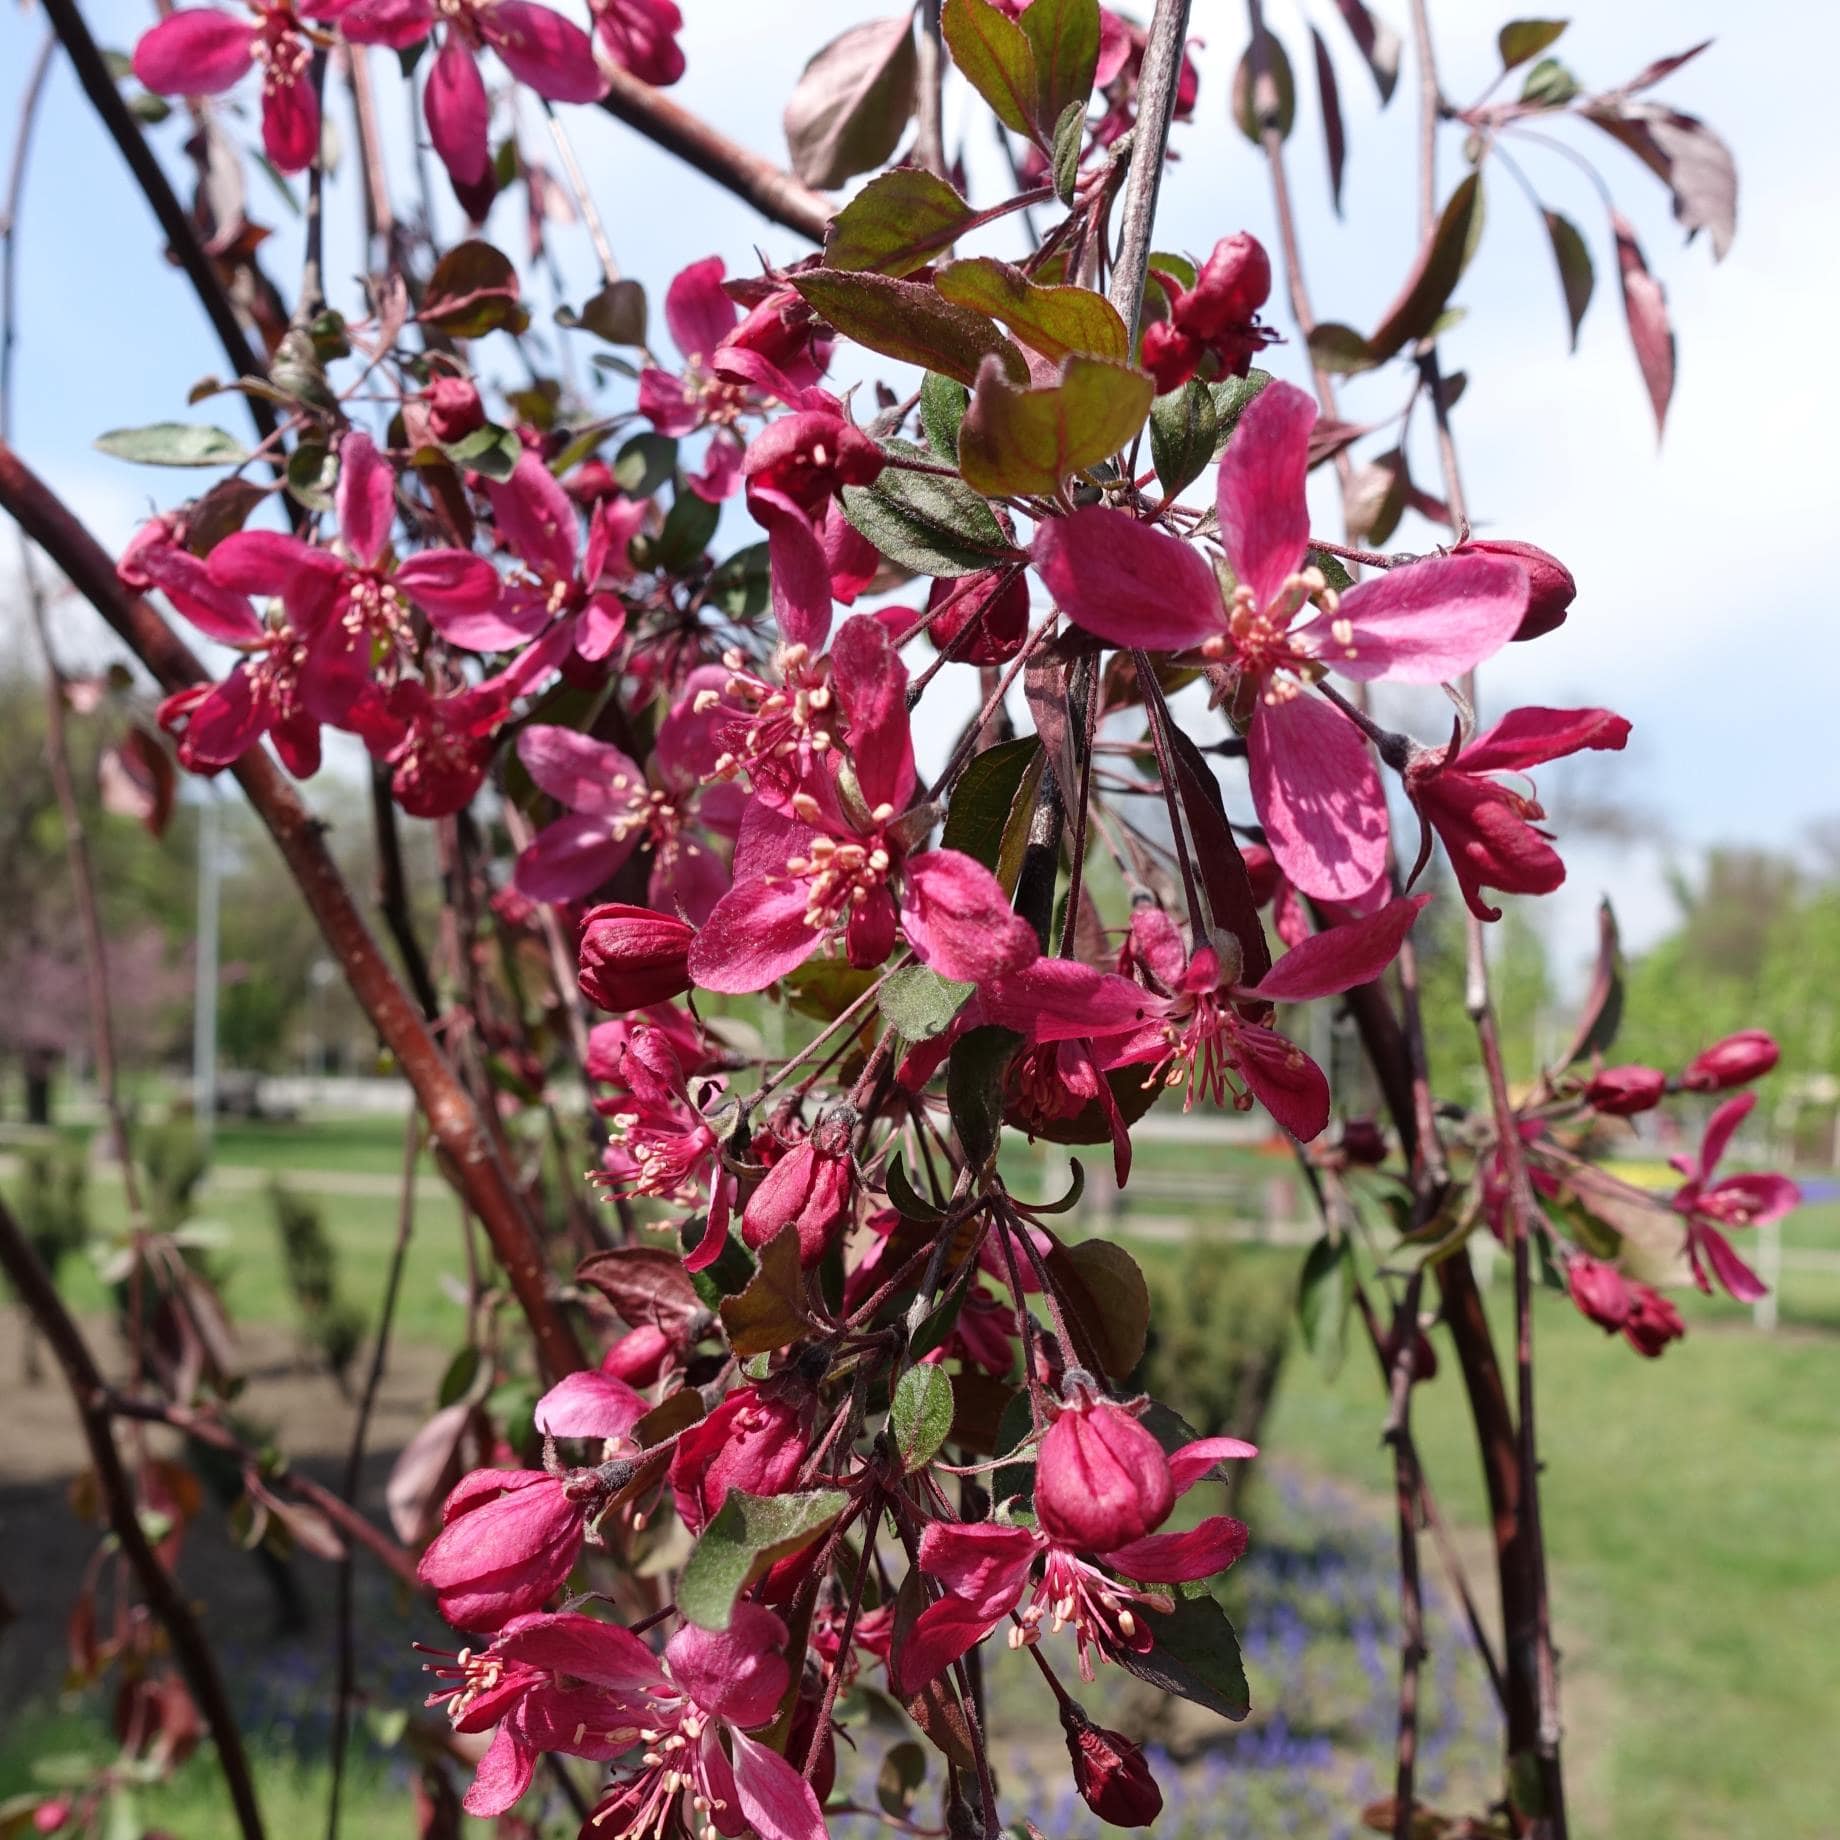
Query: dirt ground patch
(44, 1548)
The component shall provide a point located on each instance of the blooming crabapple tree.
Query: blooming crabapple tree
(822, 1407)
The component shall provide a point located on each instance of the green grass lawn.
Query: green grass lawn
(1692, 1506)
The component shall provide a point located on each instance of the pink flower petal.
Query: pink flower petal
(457, 111)
(395, 23)
(589, 1405)
(1318, 796)
(196, 52)
(756, 934)
(1060, 999)
(1193, 1462)
(1424, 624)
(737, 1673)
(1284, 1080)
(777, 1801)
(1264, 515)
(544, 51)
(504, 1773)
(586, 775)
(218, 612)
(983, 1562)
(871, 686)
(1526, 738)
(699, 314)
(959, 920)
(227, 723)
(366, 498)
(536, 517)
(1203, 1551)
(1340, 957)
(942, 1632)
(572, 857)
(799, 573)
(1721, 1128)
(1731, 1271)
(450, 582)
(290, 125)
(1126, 583)
(603, 1654)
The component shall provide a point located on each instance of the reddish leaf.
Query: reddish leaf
(908, 320)
(1064, 36)
(852, 104)
(1646, 307)
(1054, 321)
(1274, 102)
(1032, 440)
(1377, 42)
(428, 1466)
(1689, 159)
(1222, 869)
(645, 1284)
(1664, 67)
(1334, 136)
(1602, 1013)
(997, 59)
(473, 291)
(898, 222)
(1435, 274)
(138, 780)
(1576, 275)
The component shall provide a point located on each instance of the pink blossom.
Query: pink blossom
(1710, 1207)
(811, 1188)
(640, 36)
(199, 51)
(1313, 783)
(1214, 322)
(752, 1441)
(1489, 829)
(988, 1568)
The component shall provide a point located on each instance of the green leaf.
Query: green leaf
(644, 464)
(458, 1380)
(1435, 274)
(473, 291)
(1183, 426)
(909, 320)
(975, 1072)
(898, 222)
(1325, 1289)
(749, 1535)
(1064, 160)
(770, 1311)
(1521, 39)
(311, 473)
(1196, 1655)
(1076, 1187)
(943, 402)
(1340, 350)
(1576, 275)
(1033, 440)
(997, 59)
(489, 451)
(617, 314)
(1279, 107)
(741, 585)
(174, 444)
(919, 1003)
(920, 1418)
(909, 1203)
(1105, 1292)
(1064, 36)
(898, 1783)
(732, 1271)
(1549, 85)
(928, 524)
(1054, 321)
(1232, 397)
(688, 529)
(986, 794)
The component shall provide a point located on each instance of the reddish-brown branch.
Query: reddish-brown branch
(452, 1117)
(164, 1598)
(773, 192)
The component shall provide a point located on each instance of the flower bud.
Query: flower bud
(1652, 1322)
(640, 1355)
(1621, 1092)
(454, 408)
(1364, 1143)
(1110, 1773)
(1600, 1291)
(808, 1188)
(1101, 1480)
(632, 956)
(748, 1442)
(1550, 587)
(1745, 1056)
(1233, 284)
(996, 602)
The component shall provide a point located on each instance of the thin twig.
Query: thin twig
(1156, 107)
(354, 1468)
(584, 198)
(164, 1598)
(929, 119)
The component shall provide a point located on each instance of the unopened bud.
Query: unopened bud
(1621, 1092)
(633, 956)
(1735, 1061)
(1550, 587)
(1101, 1480)
(1110, 1773)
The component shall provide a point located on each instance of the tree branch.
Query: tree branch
(46, 1308)
(773, 192)
(451, 1115)
(1156, 107)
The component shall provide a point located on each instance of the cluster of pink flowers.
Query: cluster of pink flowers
(709, 776)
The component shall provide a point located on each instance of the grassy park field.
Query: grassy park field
(1692, 1506)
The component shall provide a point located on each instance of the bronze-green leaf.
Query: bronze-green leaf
(997, 58)
(769, 1311)
(908, 320)
(1053, 321)
(1435, 274)
(1032, 440)
(898, 222)
(1064, 35)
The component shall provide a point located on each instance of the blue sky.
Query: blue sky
(1702, 612)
